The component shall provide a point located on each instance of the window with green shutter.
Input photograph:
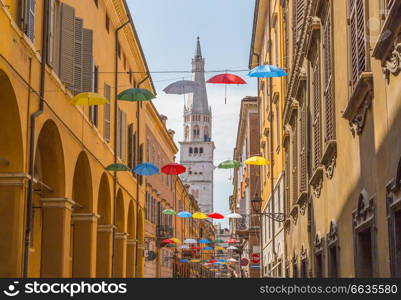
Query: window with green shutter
(67, 44)
(106, 116)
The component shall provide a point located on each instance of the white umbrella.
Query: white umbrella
(184, 247)
(232, 248)
(182, 87)
(232, 260)
(190, 241)
(234, 216)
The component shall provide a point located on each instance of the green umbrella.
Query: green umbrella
(229, 164)
(168, 211)
(218, 241)
(171, 245)
(117, 167)
(135, 94)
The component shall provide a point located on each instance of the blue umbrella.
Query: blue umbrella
(267, 71)
(184, 260)
(184, 214)
(204, 241)
(208, 248)
(146, 169)
(222, 260)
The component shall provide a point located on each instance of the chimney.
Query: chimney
(164, 119)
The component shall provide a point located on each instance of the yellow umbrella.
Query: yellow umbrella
(88, 99)
(199, 215)
(177, 241)
(257, 161)
(194, 260)
(219, 248)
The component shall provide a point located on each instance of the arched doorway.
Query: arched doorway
(120, 238)
(12, 192)
(84, 221)
(131, 241)
(104, 230)
(45, 255)
(139, 272)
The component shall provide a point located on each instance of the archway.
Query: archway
(139, 271)
(11, 170)
(105, 229)
(45, 255)
(131, 241)
(84, 222)
(120, 238)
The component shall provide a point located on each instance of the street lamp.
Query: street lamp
(257, 206)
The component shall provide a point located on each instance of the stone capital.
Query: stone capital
(131, 241)
(121, 236)
(13, 179)
(57, 202)
(105, 228)
(85, 217)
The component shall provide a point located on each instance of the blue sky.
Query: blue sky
(167, 30)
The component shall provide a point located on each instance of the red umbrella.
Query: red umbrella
(173, 169)
(196, 248)
(212, 261)
(167, 241)
(226, 78)
(232, 241)
(215, 216)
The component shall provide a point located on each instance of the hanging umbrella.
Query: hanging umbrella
(219, 248)
(117, 167)
(167, 241)
(212, 261)
(229, 164)
(135, 94)
(222, 260)
(204, 241)
(216, 216)
(168, 211)
(226, 78)
(87, 99)
(257, 161)
(196, 248)
(207, 248)
(184, 260)
(218, 241)
(199, 215)
(190, 241)
(175, 240)
(267, 71)
(182, 87)
(184, 247)
(233, 260)
(194, 260)
(146, 169)
(184, 214)
(234, 216)
(232, 248)
(173, 169)
(171, 245)
(232, 241)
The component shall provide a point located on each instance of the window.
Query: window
(278, 129)
(107, 23)
(118, 49)
(94, 109)
(122, 135)
(303, 163)
(330, 130)
(294, 161)
(196, 150)
(27, 10)
(206, 134)
(358, 40)
(106, 117)
(317, 137)
(196, 132)
(186, 133)
(201, 150)
(191, 150)
(298, 18)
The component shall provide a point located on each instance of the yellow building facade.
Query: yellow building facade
(340, 120)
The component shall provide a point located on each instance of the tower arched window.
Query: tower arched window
(186, 134)
(206, 134)
(196, 150)
(196, 131)
(201, 150)
(190, 150)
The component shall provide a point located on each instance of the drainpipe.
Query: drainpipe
(137, 179)
(29, 204)
(115, 179)
(271, 137)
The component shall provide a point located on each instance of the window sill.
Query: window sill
(329, 158)
(317, 181)
(359, 103)
(388, 33)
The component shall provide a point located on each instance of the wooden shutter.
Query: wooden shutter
(78, 56)
(123, 135)
(303, 160)
(287, 181)
(67, 26)
(317, 149)
(298, 19)
(118, 137)
(358, 43)
(30, 29)
(106, 117)
(87, 60)
(51, 29)
(130, 158)
(330, 130)
(295, 161)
